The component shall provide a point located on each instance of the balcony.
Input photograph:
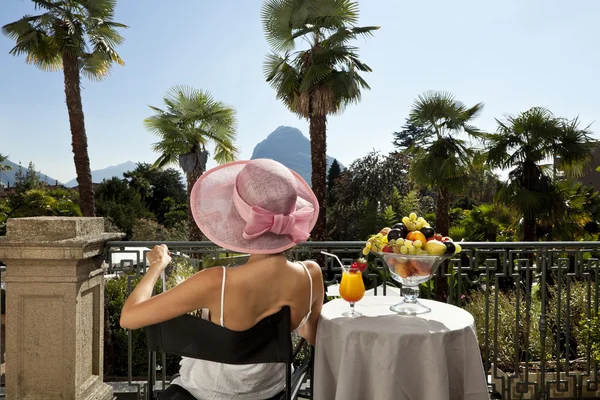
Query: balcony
(534, 306)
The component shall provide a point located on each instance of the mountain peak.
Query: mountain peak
(289, 146)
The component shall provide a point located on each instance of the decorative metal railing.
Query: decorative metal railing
(534, 306)
(533, 303)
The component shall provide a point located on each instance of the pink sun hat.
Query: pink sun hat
(257, 206)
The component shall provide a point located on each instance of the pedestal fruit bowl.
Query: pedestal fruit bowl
(412, 252)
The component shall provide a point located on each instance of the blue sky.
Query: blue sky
(509, 54)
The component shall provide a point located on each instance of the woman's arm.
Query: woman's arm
(142, 309)
(309, 330)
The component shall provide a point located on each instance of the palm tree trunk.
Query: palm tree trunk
(441, 226)
(318, 151)
(442, 210)
(194, 233)
(528, 229)
(79, 138)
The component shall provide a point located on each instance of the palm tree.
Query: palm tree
(79, 37)
(320, 80)
(441, 160)
(3, 168)
(522, 144)
(191, 120)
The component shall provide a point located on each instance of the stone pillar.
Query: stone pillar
(55, 308)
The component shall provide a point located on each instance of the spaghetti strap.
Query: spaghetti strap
(223, 294)
(311, 296)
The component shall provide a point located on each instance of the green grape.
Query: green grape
(418, 244)
(400, 242)
(404, 250)
(421, 220)
(413, 216)
(412, 250)
(366, 251)
(458, 248)
(405, 220)
(408, 244)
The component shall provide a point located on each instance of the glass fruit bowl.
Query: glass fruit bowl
(411, 270)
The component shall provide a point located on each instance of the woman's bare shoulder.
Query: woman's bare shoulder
(313, 268)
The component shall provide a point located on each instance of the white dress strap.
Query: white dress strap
(223, 294)
(311, 297)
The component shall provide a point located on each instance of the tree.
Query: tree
(407, 136)
(332, 175)
(522, 143)
(79, 37)
(192, 119)
(318, 81)
(28, 181)
(161, 190)
(364, 191)
(441, 160)
(121, 203)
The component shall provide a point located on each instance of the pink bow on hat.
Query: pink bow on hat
(260, 221)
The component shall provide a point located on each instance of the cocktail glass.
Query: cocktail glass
(352, 287)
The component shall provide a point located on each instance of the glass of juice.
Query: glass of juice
(352, 287)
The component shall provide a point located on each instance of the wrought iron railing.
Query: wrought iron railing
(532, 303)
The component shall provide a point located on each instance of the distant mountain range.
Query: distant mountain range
(290, 147)
(285, 144)
(8, 178)
(107, 173)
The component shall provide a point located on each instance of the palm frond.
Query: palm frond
(82, 29)
(191, 120)
(333, 13)
(277, 17)
(344, 34)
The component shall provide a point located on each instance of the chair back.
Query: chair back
(269, 341)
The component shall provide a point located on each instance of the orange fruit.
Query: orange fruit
(416, 235)
(403, 269)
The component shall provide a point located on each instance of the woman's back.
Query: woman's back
(250, 293)
(262, 287)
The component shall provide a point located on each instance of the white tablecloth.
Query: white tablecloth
(381, 355)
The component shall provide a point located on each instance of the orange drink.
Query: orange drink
(352, 288)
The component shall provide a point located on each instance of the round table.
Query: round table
(381, 355)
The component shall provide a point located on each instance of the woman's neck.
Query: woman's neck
(263, 257)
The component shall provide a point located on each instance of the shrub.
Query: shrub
(529, 340)
(578, 305)
(115, 295)
(590, 337)
(145, 229)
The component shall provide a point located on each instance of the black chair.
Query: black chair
(269, 341)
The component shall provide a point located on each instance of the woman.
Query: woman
(258, 207)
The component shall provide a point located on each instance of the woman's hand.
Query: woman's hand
(159, 257)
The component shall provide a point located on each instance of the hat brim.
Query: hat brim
(215, 214)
